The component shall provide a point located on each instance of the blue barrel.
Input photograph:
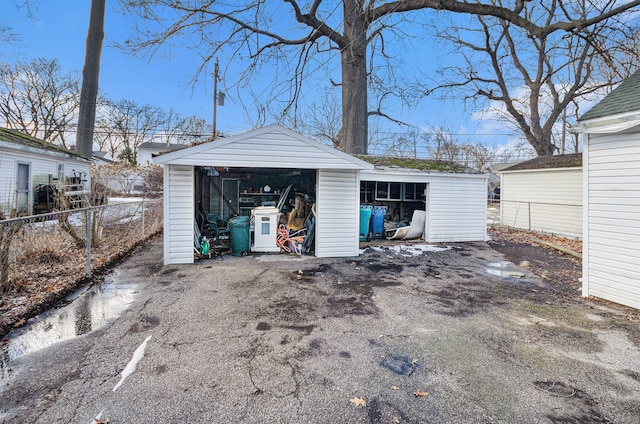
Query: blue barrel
(377, 221)
(365, 218)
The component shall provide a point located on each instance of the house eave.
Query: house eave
(608, 124)
(40, 151)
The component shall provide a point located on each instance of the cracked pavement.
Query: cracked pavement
(272, 338)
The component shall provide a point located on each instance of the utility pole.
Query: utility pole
(216, 71)
(218, 97)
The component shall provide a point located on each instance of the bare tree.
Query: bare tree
(479, 156)
(405, 145)
(317, 30)
(132, 125)
(528, 79)
(104, 133)
(441, 144)
(174, 128)
(38, 99)
(90, 74)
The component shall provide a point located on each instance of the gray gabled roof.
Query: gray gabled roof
(624, 98)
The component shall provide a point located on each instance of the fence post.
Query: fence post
(142, 221)
(529, 204)
(89, 218)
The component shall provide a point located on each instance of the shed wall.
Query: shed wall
(338, 199)
(612, 233)
(456, 203)
(457, 209)
(179, 214)
(548, 200)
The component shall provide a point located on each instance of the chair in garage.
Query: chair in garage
(216, 228)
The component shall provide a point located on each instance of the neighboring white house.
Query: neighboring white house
(611, 165)
(29, 167)
(149, 149)
(543, 194)
(235, 174)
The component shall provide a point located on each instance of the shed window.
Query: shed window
(414, 191)
(388, 191)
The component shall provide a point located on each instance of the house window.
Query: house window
(388, 191)
(414, 191)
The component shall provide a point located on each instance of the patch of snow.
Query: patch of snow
(131, 366)
(409, 250)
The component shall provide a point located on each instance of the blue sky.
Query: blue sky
(58, 30)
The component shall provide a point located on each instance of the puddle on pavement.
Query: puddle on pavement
(501, 269)
(84, 311)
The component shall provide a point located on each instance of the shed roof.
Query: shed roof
(573, 160)
(623, 99)
(428, 165)
(272, 146)
(21, 139)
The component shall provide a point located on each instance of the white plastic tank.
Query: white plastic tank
(265, 221)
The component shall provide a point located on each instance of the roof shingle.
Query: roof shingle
(624, 98)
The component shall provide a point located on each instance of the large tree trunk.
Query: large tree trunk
(90, 75)
(354, 79)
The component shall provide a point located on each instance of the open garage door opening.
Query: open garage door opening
(243, 210)
(398, 209)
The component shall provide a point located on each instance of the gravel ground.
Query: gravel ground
(461, 335)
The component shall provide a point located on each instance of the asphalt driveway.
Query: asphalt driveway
(393, 336)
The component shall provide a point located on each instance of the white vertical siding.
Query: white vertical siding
(457, 209)
(7, 181)
(547, 200)
(338, 214)
(612, 221)
(178, 214)
(272, 147)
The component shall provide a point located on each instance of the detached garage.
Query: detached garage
(543, 194)
(611, 244)
(273, 166)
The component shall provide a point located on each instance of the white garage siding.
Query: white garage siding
(178, 214)
(612, 219)
(548, 200)
(338, 214)
(272, 147)
(457, 209)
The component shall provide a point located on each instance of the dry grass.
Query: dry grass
(46, 264)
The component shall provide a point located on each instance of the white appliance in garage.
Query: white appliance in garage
(265, 222)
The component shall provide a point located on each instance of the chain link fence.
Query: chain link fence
(44, 253)
(555, 218)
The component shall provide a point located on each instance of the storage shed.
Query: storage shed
(30, 169)
(543, 194)
(611, 165)
(453, 196)
(235, 175)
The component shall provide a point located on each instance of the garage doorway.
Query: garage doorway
(223, 193)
